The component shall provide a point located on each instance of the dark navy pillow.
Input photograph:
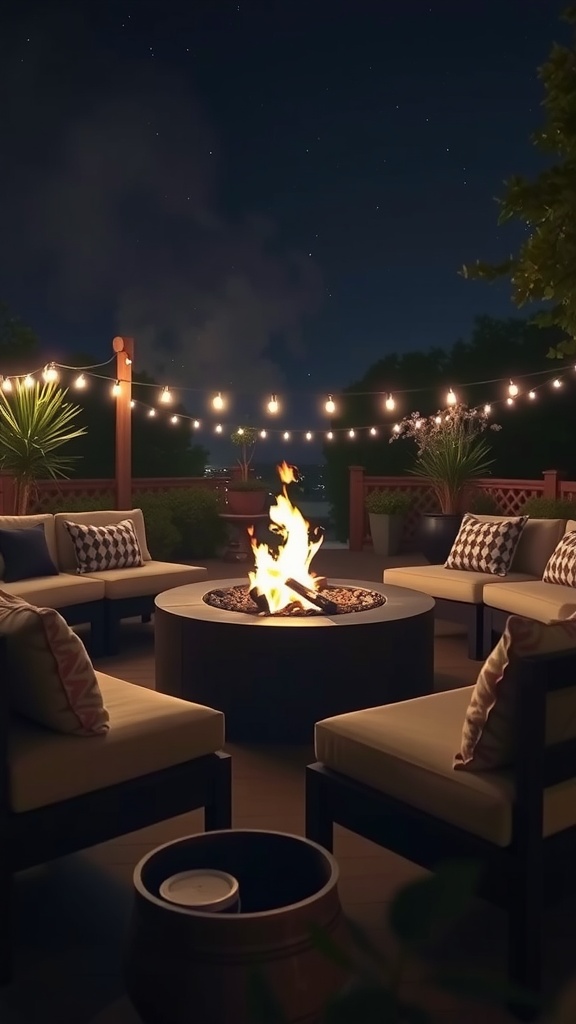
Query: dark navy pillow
(25, 553)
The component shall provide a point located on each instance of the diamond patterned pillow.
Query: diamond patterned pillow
(98, 548)
(561, 567)
(486, 546)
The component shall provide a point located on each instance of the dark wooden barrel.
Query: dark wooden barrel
(184, 966)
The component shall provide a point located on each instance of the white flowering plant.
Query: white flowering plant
(452, 451)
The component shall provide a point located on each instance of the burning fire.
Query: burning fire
(294, 555)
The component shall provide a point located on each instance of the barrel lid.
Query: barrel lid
(201, 888)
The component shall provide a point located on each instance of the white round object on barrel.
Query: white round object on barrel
(202, 889)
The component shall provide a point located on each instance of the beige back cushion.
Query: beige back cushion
(26, 523)
(66, 553)
(537, 542)
(570, 525)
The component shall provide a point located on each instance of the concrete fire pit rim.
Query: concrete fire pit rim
(188, 602)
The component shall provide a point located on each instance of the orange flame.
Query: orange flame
(294, 555)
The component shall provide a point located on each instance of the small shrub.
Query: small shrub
(251, 484)
(81, 503)
(549, 508)
(195, 514)
(388, 503)
(484, 504)
(163, 536)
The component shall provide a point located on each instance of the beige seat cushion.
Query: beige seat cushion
(406, 751)
(149, 579)
(148, 731)
(450, 584)
(26, 523)
(533, 599)
(57, 591)
(66, 552)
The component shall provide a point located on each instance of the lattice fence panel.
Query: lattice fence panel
(422, 497)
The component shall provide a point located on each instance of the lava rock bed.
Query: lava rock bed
(347, 599)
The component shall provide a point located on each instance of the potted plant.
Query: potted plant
(386, 513)
(246, 495)
(451, 453)
(34, 424)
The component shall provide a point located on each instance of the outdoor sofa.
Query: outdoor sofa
(102, 598)
(481, 601)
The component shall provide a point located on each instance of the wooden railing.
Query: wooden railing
(508, 497)
(48, 493)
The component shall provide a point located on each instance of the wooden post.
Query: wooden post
(124, 349)
(551, 478)
(356, 527)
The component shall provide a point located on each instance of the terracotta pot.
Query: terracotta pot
(436, 535)
(184, 966)
(246, 503)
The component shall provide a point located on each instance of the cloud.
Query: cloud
(124, 213)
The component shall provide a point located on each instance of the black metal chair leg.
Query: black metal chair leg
(319, 825)
(218, 814)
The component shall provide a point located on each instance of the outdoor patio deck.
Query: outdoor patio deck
(71, 914)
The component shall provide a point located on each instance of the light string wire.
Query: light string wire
(556, 380)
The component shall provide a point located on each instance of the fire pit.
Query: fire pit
(286, 648)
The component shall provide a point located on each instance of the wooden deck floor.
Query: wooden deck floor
(71, 914)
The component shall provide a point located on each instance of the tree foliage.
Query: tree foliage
(543, 270)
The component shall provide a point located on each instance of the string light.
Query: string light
(557, 383)
(218, 428)
(166, 396)
(286, 435)
(196, 424)
(128, 361)
(513, 389)
(173, 419)
(396, 428)
(509, 401)
(80, 381)
(132, 403)
(218, 401)
(28, 381)
(451, 397)
(329, 435)
(151, 412)
(6, 384)
(438, 419)
(50, 373)
(308, 435)
(352, 433)
(263, 435)
(532, 394)
(330, 405)
(373, 431)
(487, 409)
(116, 389)
(240, 431)
(390, 403)
(273, 404)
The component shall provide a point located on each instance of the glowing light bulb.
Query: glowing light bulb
(116, 389)
(373, 431)
(166, 396)
(451, 397)
(513, 389)
(196, 424)
(418, 424)
(286, 435)
(329, 435)
(532, 394)
(308, 435)
(437, 419)
(330, 405)
(273, 404)
(6, 384)
(509, 401)
(263, 435)
(396, 428)
(50, 373)
(390, 403)
(218, 428)
(28, 381)
(128, 361)
(151, 412)
(218, 401)
(487, 409)
(173, 419)
(240, 431)
(80, 381)
(351, 433)
(132, 403)
(557, 383)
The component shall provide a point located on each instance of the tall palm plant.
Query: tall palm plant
(35, 422)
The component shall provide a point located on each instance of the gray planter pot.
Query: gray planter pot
(386, 532)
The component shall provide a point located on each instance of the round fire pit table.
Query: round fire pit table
(274, 677)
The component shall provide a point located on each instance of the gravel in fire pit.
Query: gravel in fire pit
(348, 599)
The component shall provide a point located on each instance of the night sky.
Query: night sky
(268, 195)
